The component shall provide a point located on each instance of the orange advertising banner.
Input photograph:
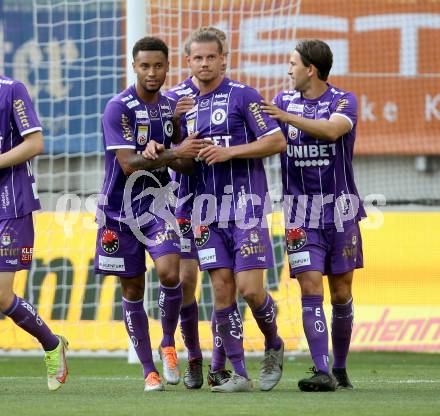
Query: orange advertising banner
(386, 51)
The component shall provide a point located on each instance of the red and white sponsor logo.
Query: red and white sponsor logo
(109, 241)
(184, 225)
(202, 235)
(296, 239)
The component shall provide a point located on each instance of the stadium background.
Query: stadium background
(72, 57)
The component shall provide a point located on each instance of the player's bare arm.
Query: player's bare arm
(266, 146)
(131, 161)
(31, 146)
(331, 129)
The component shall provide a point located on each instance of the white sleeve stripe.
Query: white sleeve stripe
(269, 133)
(31, 130)
(343, 115)
(120, 146)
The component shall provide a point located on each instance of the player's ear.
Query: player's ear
(133, 65)
(168, 66)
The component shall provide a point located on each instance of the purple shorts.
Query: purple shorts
(16, 243)
(188, 250)
(233, 248)
(325, 250)
(120, 253)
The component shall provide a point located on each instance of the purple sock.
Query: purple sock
(136, 324)
(218, 360)
(265, 316)
(315, 328)
(25, 316)
(342, 324)
(189, 325)
(170, 301)
(230, 327)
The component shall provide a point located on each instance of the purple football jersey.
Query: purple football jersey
(318, 174)
(187, 184)
(18, 193)
(184, 89)
(129, 123)
(230, 116)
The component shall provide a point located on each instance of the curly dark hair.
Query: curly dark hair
(150, 43)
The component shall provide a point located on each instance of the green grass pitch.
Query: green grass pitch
(385, 384)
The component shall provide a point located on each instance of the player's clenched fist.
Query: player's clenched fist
(152, 150)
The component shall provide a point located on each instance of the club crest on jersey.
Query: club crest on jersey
(168, 128)
(142, 135)
(8, 236)
(218, 116)
(110, 241)
(254, 237)
(296, 239)
(293, 132)
(6, 239)
(184, 225)
(153, 113)
(202, 235)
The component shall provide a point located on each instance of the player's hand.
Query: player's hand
(183, 106)
(274, 112)
(214, 154)
(191, 146)
(152, 150)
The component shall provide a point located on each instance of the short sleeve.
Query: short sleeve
(258, 121)
(24, 113)
(346, 106)
(117, 127)
(172, 94)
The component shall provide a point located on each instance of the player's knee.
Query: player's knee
(253, 297)
(340, 295)
(133, 292)
(311, 288)
(169, 278)
(223, 296)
